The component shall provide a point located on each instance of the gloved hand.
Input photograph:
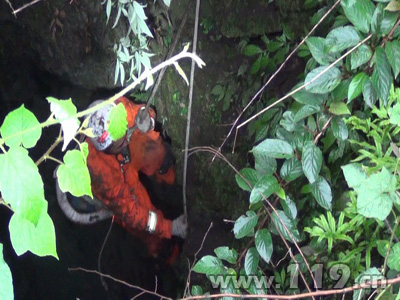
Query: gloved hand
(179, 227)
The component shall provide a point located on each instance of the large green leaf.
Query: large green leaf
(305, 97)
(6, 281)
(392, 50)
(280, 218)
(267, 185)
(251, 261)
(375, 198)
(118, 123)
(245, 224)
(360, 56)
(274, 148)
(339, 108)
(342, 38)
(250, 175)
(264, 244)
(356, 86)
(264, 164)
(40, 240)
(65, 111)
(311, 160)
(322, 84)
(230, 255)
(305, 111)
(251, 50)
(316, 46)
(21, 184)
(339, 128)
(21, 127)
(394, 257)
(369, 93)
(291, 169)
(354, 175)
(382, 78)
(394, 113)
(209, 265)
(322, 192)
(73, 175)
(359, 12)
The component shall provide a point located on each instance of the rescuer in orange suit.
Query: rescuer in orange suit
(114, 168)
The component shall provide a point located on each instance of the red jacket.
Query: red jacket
(118, 185)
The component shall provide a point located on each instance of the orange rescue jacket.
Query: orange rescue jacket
(118, 186)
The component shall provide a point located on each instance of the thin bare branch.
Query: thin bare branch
(195, 260)
(120, 281)
(25, 6)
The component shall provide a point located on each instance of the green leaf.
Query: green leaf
(168, 3)
(21, 184)
(393, 6)
(392, 50)
(196, 290)
(305, 111)
(360, 56)
(305, 97)
(369, 93)
(394, 257)
(370, 275)
(264, 244)
(382, 78)
(267, 185)
(255, 67)
(245, 224)
(65, 111)
(356, 86)
(388, 21)
(209, 265)
(250, 175)
(6, 286)
(354, 175)
(230, 255)
(264, 164)
(311, 161)
(316, 46)
(274, 148)
(251, 50)
(359, 13)
(21, 127)
(341, 91)
(289, 223)
(251, 261)
(291, 169)
(73, 176)
(322, 84)
(322, 193)
(394, 113)
(40, 240)
(289, 207)
(339, 108)
(375, 198)
(118, 124)
(342, 38)
(339, 128)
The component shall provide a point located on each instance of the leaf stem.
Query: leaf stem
(396, 224)
(52, 147)
(53, 159)
(2, 147)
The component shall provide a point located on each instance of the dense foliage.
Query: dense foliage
(325, 167)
